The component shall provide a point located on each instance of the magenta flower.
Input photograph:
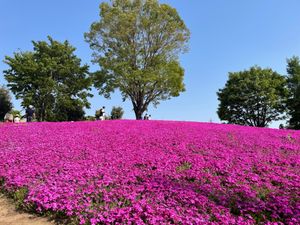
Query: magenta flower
(158, 172)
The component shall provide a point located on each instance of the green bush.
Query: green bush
(116, 113)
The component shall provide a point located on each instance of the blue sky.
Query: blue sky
(226, 35)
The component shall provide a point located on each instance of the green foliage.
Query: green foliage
(116, 113)
(68, 109)
(51, 78)
(19, 197)
(137, 43)
(15, 113)
(184, 166)
(5, 102)
(90, 118)
(97, 114)
(253, 97)
(293, 103)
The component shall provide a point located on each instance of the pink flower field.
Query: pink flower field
(153, 172)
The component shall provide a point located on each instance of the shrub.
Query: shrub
(116, 113)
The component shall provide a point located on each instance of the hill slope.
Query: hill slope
(152, 172)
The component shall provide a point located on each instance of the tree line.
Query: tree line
(258, 96)
(136, 45)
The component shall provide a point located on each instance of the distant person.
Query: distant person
(29, 113)
(17, 119)
(149, 117)
(146, 116)
(102, 113)
(9, 117)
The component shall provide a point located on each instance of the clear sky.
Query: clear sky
(226, 36)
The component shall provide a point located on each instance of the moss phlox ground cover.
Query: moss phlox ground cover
(154, 172)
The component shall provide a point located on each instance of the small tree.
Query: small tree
(5, 102)
(253, 97)
(116, 113)
(137, 44)
(293, 103)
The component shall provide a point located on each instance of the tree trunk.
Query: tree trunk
(139, 106)
(138, 113)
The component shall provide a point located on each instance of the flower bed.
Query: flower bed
(153, 172)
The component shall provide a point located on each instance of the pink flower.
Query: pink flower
(133, 172)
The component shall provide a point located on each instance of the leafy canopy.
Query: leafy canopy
(51, 78)
(293, 103)
(253, 97)
(137, 43)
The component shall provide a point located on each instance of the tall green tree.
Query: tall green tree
(137, 44)
(253, 97)
(51, 78)
(293, 103)
(5, 102)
